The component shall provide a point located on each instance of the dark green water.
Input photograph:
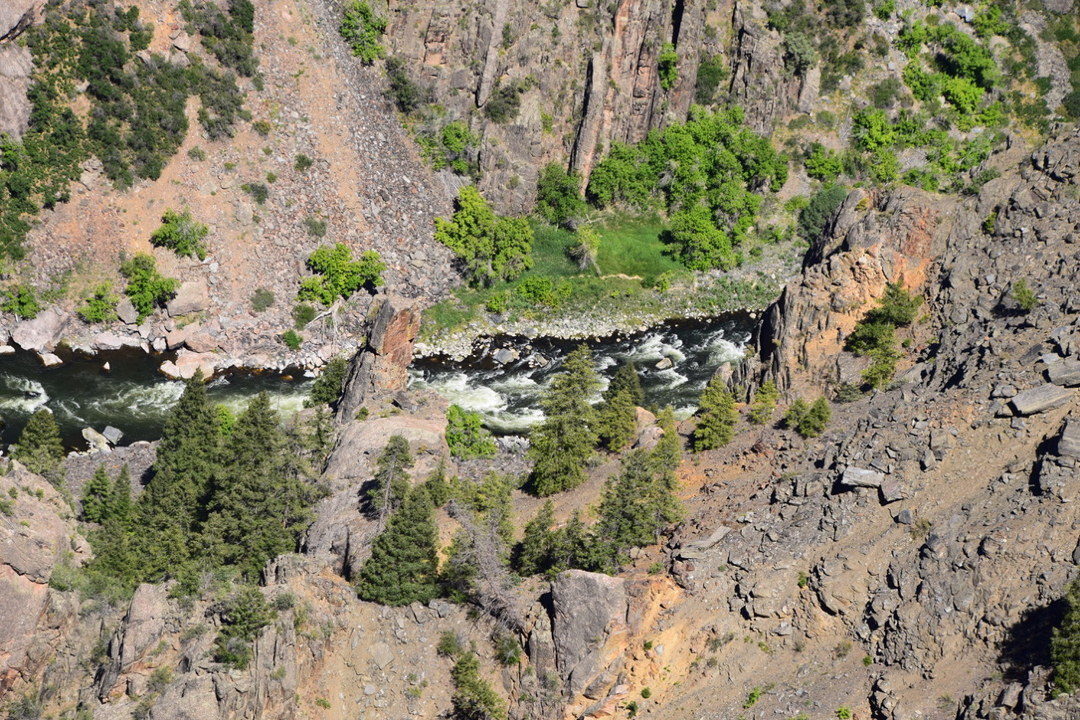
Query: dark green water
(133, 396)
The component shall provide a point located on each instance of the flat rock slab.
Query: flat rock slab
(41, 333)
(1040, 399)
(382, 654)
(192, 297)
(1066, 373)
(861, 477)
(1069, 442)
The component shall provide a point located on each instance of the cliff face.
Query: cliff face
(592, 70)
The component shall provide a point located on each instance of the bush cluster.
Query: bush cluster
(338, 275)
(875, 333)
(707, 173)
(362, 29)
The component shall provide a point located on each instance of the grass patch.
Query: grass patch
(551, 252)
(632, 246)
(555, 287)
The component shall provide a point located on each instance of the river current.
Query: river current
(675, 361)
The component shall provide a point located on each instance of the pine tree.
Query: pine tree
(473, 697)
(718, 416)
(626, 379)
(764, 405)
(562, 443)
(121, 507)
(403, 567)
(392, 479)
(97, 499)
(536, 549)
(663, 500)
(258, 507)
(170, 511)
(574, 547)
(40, 448)
(1065, 644)
(626, 518)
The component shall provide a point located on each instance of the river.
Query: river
(675, 362)
(135, 398)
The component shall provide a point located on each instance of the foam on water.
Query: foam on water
(22, 395)
(507, 398)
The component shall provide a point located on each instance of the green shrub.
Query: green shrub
(338, 275)
(292, 339)
(466, 436)
(885, 93)
(21, 301)
(315, 227)
(843, 713)
(181, 234)
(558, 195)
(490, 247)
(668, 66)
(1024, 296)
(450, 644)
(406, 93)
(819, 210)
(823, 164)
(146, 287)
(303, 313)
(197, 153)
(711, 73)
(262, 300)
(303, 162)
(799, 52)
(806, 419)
(100, 306)
(262, 127)
(362, 29)
(258, 192)
(507, 650)
(327, 386)
(646, 693)
(504, 103)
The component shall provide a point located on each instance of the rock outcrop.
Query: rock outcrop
(381, 367)
(588, 75)
(37, 536)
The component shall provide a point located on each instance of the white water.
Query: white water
(507, 397)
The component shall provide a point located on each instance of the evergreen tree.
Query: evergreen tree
(617, 413)
(806, 419)
(1065, 644)
(574, 547)
(258, 507)
(626, 518)
(403, 566)
(120, 507)
(718, 416)
(536, 549)
(764, 405)
(392, 478)
(170, 510)
(473, 697)
(40, 449)
(436, 486)
(562, 443)
(627, 379)
(97, 500)
(663, 500)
